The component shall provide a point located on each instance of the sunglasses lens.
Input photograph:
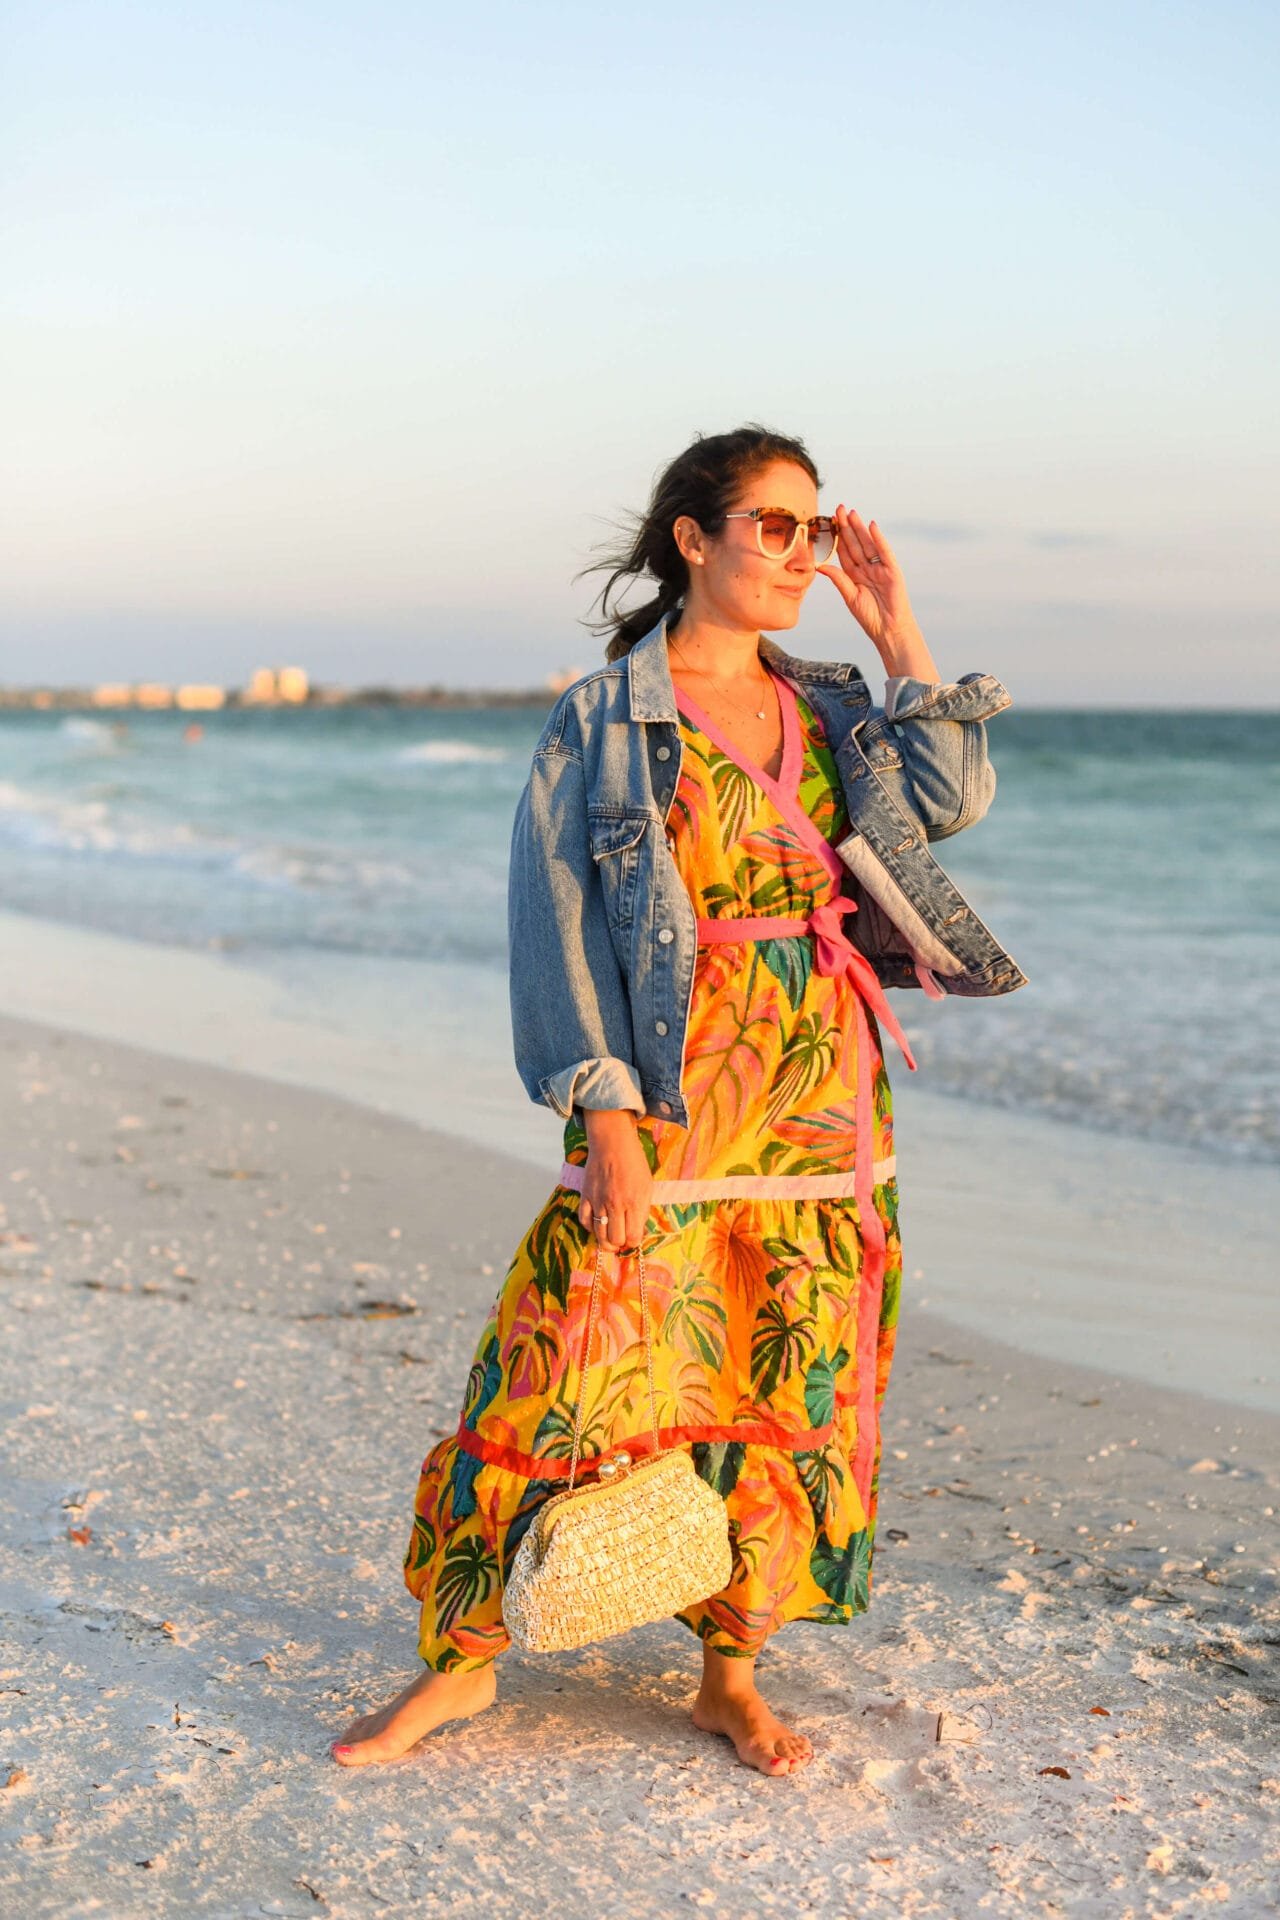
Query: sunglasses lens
(777, 531)
(823, 540)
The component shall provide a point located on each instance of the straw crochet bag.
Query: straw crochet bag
(646, 1539)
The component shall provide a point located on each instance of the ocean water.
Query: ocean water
(1129, 863)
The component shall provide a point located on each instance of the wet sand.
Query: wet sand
(235, 1315)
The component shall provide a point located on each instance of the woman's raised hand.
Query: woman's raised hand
(617, 1182)
(870, 580)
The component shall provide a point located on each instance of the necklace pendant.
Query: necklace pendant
(759, 713)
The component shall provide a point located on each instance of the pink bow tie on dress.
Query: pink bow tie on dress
(833, 951)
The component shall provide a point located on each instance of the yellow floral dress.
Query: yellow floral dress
(773, 1308)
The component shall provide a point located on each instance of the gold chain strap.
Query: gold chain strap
(586, 1360)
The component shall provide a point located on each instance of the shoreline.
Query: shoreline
(238, 1312)
(1066, 1242)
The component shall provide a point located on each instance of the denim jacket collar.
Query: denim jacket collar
(653, 695)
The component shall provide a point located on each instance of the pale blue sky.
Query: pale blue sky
(338, 334)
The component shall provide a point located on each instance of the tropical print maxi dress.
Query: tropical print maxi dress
(773, 1258)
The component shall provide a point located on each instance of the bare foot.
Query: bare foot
(761, 1738)
(425, 1704)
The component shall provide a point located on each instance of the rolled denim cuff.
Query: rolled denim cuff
(604, 1082)
(975, 696)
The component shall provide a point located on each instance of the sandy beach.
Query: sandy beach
(236, 1314)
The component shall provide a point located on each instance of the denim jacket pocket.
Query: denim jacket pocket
(616, 848)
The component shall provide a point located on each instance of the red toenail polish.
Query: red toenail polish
(338, 1749)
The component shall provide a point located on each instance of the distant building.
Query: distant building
(201, 697)
(273, 685)
(261, 687)
(557, 682)
(150, 693)
(113, 693)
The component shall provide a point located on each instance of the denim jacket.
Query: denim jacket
(602, 931)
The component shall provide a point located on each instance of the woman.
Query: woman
(718, 863)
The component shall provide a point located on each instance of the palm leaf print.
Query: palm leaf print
(462, 1484)
(778, 846)
(778, 1346)
(480, 1641)
(889, 1299)
(469, 1575)
(534, 1495)
(532, 1352)
(822, 1477)
(692, 1400)
(831, 1130)
(696, 1320)
(735, 791)
(422, 1544)
(484, 1381)
(686, 816)
(549, 1249)
(790, 960)
(766, 891)
(807, 1059)
(554, 1436)
(839, 1231)
(820, 1386)
(721, 900)
(775, 1522)
(776, 872)
(746, 1626)
(725, 1068)
(843, 1573)
(821, 793)
(450, 1657)
(719, 1462)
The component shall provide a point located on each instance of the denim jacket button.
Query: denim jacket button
(664, 1106)
(662, 753)
(659, 1026)
(665, 935)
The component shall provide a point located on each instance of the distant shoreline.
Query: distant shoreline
(82, 700)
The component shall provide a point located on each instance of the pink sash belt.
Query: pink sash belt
(834, 953)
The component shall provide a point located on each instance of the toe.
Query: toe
(763, 1754)
(362, 1753)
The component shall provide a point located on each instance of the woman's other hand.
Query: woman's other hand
(617, 1182)
(870, 582)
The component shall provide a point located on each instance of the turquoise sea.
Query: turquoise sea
(1129, 863)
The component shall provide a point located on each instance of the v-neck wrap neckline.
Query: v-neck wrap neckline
(787, 780)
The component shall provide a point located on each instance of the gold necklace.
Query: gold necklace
(704, 675)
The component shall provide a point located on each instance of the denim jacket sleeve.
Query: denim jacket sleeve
(942, 731)
(570, 1009)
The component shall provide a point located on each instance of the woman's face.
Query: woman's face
(730, 581)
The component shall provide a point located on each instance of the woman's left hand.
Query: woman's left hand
(870, 582)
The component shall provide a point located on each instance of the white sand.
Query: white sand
(1150, 1260)
(192, 1382)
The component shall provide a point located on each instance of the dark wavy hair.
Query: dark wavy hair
(702, 482)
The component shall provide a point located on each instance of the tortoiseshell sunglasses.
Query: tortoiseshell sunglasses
(777, 531)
